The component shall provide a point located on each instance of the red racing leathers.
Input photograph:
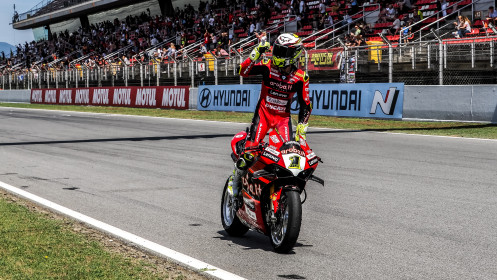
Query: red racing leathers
(273, 108)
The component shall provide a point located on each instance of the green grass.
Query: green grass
(33, 246)
(473, 130)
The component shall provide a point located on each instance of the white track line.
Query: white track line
(149, 245)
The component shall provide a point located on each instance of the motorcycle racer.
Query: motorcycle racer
(281, 80)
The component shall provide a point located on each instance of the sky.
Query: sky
(7, 33)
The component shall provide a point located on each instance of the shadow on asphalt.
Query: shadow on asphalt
(124, 139)
(254, 241)
(211, 136)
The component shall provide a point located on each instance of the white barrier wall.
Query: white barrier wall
(15, 96)
(463, 103)
(193, 98)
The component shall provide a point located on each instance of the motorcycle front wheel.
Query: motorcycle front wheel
(285, 232)
(231, 223)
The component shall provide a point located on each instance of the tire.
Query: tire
(284, 235)
(231, 223)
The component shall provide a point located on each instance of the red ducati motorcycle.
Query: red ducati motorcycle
(271, 190)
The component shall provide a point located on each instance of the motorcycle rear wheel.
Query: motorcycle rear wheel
(231, 223)
(285, 232)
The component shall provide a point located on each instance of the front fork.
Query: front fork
(275, 197)
(274, 203)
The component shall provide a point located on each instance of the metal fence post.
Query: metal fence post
(141, 75)
(126, 69)
(428, 49)
(56, 78)
(440, 63)
(88, 77)
(413, 56)
(216, 74)
(175, 74)
(492, 53)
(158, 73)
(390, 63)
(445, 55)
(473, 54)
(181, 68)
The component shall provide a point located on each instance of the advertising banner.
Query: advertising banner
(324, 59)
(140, 97)
(237, 98)
(356, 100)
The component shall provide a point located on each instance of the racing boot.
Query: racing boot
(241, 167)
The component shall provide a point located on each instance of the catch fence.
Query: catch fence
(448, 62)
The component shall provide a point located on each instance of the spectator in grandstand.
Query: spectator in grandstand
(382, 16)
(220, 52)
(207, 39)
(328, 21)
(346, 19)
(322, 7)
(301, 7)
(349, 41)
(394, 30)
(491, 16)
(203, 49)
(417, 15)
(391, 13)
(213, 41)
(405, 32)
(251, 28)
(463, 26)
(224, 41)
(171, 51)
(356, 33)
(444, 5)
(405, 6)
(154, 40)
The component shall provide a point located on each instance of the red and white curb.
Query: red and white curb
(141, 242)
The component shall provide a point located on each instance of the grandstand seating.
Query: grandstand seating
(276, 18)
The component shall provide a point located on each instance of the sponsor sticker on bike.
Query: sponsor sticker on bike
(313, 161)
(272, 151)
(270, 156)
(311, 156)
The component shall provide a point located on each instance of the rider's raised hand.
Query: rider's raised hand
(258, 50)
(301, 131)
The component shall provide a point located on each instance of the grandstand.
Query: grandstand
(156, 42)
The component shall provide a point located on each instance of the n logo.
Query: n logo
(295, 162)
(387, 105)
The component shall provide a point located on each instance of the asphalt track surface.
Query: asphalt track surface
(394, 206)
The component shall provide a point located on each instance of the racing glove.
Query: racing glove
(258, 50)
(301, 131)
